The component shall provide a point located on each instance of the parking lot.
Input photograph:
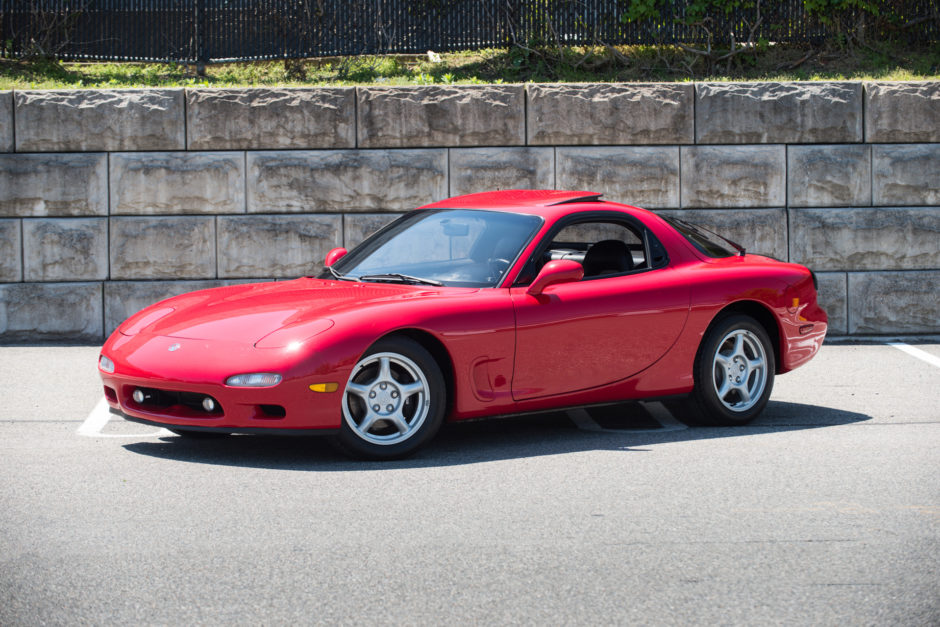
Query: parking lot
(826, 510)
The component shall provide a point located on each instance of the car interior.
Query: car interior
(477, 252)
(602, 248)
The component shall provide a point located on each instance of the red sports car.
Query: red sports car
(481, 305)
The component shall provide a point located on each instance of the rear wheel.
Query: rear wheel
(394, 401)
(734, 372)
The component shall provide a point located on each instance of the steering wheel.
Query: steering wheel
(498, 266)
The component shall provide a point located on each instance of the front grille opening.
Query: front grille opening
(271, 411)
(110, 394)
(172, 401)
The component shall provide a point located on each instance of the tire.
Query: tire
(734, 372)
(394, 401)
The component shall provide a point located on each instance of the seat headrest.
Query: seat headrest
(609, 256)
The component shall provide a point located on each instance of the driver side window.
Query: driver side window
(603, 247)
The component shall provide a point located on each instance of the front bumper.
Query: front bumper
(249, 430)
(175, 375)
(289, 406)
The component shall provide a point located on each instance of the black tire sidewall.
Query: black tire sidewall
(711, 409)
(347, 439)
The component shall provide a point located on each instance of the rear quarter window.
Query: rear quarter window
(706, 242)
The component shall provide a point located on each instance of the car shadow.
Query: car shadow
(628, 429)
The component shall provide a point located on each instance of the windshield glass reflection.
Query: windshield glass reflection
(453, 247)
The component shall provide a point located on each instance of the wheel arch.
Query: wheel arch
(759, 313)
(440, 354)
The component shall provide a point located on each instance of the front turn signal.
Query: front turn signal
(324, 387)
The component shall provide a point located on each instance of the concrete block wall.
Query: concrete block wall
(113, 199)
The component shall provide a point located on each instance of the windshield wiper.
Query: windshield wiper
(403, 278)
(339, 275)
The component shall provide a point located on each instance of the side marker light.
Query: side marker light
(324, 387)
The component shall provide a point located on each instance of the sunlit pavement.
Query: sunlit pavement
(826, 510)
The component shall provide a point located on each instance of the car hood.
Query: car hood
(268, 315)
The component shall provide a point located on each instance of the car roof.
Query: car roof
(547, 203)
(514, 199)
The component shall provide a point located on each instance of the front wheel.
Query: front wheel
(734, 372)
(394, 401)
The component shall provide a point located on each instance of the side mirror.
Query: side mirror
(334, 255)
(558, 271)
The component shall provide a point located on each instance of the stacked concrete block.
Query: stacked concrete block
(100, 120)
(270, 119)
(866, 239)
(903, 125)
(315, 181)
(778, 113)
(572, 115)
(112, 199)
(11, 259)
(484, 169)
(733, 176)
(893, 302)
(163, 247)
(474, 115)
(643, 176)
(164, 183)
(906, 174)
(65, 249)
(829, 176)
(282, 246)
(6, 121)
(902, 112)
(54, 184)
(40, 312)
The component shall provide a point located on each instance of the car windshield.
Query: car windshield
(704, 240)
(453, 247)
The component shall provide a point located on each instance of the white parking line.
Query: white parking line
(664, 417)
(658, 411)
(100, 416)
(933, 360)
(96, 420)
(583, 420)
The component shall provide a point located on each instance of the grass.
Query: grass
(514, 65)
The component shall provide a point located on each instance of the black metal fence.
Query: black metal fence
(216, 30)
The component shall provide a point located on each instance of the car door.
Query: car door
(603, 329)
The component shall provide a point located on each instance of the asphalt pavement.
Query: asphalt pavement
(824, 511)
